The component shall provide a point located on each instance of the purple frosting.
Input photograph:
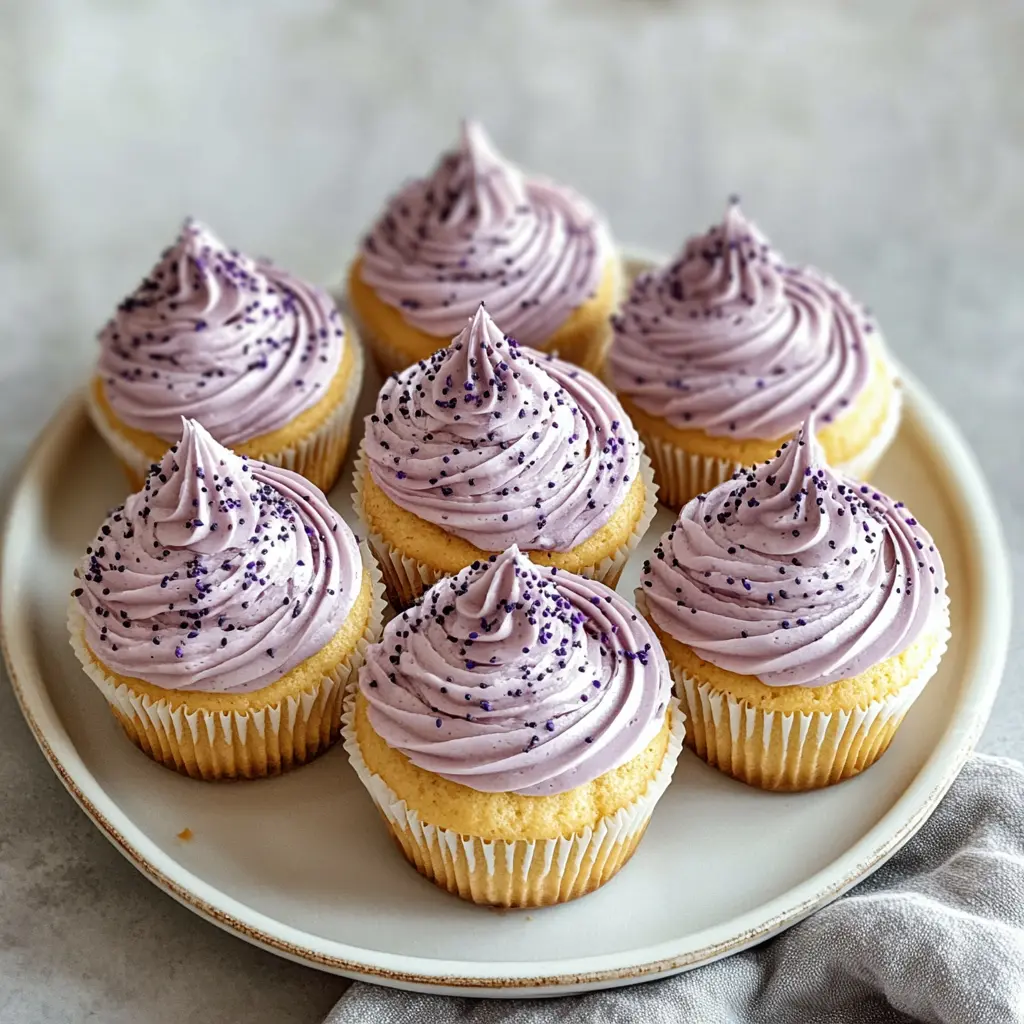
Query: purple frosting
(501, 445)
(731, 341)
(477, 230)
(213, 335)
(512, 678)
(795, 574)
(220, 575)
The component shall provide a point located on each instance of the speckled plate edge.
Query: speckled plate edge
(988, 580)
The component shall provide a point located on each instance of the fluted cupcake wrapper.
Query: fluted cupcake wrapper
(407, 579)
(682, 475)
(318, 456)
(792, 751)
(516, 873)
(250, 744)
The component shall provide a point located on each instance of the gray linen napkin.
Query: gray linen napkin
(935, 935)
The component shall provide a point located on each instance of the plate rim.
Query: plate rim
(976, 521)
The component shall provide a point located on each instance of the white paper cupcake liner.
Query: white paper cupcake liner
(318, 457)
(793, 750)
(408, 579)
(682, 475)
(254, 743)
(516, 873)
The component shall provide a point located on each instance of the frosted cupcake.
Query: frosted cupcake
(489, 444)
(221, 612)
(720, 356)
(516, 730)
(802, 613)
(257, 356)
(477, 230)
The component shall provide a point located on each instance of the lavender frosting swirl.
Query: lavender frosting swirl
(731, 341)
(220, 575)
(510, 678)
(211, 334)
(795, 574)
(500, 445)
(477, 230)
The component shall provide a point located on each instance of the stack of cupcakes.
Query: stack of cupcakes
(514, 723)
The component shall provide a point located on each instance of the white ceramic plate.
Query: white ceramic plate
(302, 866)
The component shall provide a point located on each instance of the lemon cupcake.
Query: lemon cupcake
(515, 730)
(489, 444)
(802, 613)
(720, 356)
(221, 612)
(258, 357)
(477, 230)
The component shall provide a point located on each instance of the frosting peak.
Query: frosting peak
(221, 574)
(467, 379)
(509, 678)
(500, 445)
(186, 512)
(496, 587)
(795, 574)
(477, 175)
(236, 343)
(730, 340)
(735, 272)
(477, 230)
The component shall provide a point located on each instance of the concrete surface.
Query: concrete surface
(883, 142)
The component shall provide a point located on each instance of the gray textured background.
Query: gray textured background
(886, 147)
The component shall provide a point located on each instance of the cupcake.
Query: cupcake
(720, 356)
(261, 359)
(515, 729)
(478, 230)
(802, 612)
(222, 610)
(489, 444)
